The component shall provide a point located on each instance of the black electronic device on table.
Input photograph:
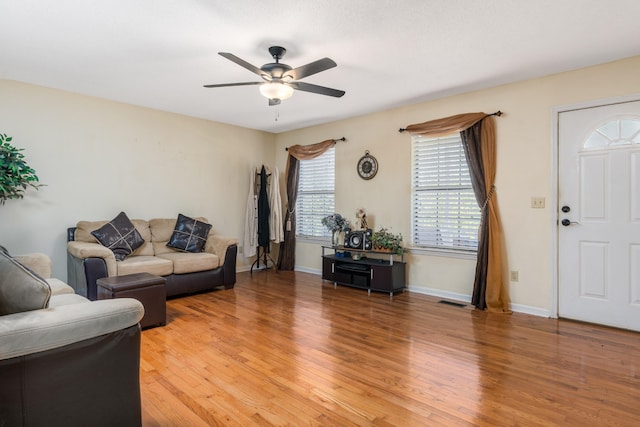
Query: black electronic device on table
(358, 239)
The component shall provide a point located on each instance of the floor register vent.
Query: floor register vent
(455, 304)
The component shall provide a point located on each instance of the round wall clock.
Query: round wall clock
(367, 166)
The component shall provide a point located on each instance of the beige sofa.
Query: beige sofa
(186, 272)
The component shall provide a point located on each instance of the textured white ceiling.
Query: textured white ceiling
(159, 53)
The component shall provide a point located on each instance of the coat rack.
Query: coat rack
(261, 183)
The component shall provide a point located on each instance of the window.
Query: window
(620, 132)
(444, 208)
(316, 194)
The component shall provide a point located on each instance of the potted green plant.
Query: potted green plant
(15, 174)
(385, 241)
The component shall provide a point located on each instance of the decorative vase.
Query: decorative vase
(335, 238)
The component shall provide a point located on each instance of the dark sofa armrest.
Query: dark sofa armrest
(82, 274)
(229, 266)
(86, 263)
(92, 382)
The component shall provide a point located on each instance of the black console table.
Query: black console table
(372, 274)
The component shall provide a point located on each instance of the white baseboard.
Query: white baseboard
(439, 293)
(534, 311)
(519, 308)
(309, 270)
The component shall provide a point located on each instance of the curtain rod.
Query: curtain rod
(335, 140)
(497, 113)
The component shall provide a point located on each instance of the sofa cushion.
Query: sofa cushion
(58, 287)
(38, 263)
(145, 264)
(145, 232)
(84, 229)
(161, 231)
(20, 288)
(66, 299)
(119, 235)
(70, 319)
(189, 235)
(185, 262)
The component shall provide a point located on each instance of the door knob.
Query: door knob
(567, 222)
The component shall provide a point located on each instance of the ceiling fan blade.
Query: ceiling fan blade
(235, 84)
(308, 87)
(273, 102)
(241, 62)
(311, 68)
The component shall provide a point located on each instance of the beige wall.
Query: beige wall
(524, 170)
(99, 157)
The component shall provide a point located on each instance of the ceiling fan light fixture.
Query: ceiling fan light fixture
(276, 91)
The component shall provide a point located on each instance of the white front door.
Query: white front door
(599, 215)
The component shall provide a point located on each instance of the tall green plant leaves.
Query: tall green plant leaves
(15, 174)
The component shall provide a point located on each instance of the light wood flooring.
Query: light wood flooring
(288, 349)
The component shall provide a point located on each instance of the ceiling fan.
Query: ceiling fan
(279, 80)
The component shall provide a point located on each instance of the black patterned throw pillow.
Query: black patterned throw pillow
(119, 235)
(189, 235)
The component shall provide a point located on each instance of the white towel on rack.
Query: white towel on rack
(251, 220)
(276, 231)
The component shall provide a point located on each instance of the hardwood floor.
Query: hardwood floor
(288, 349)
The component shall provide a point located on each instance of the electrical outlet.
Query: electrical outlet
(515, 276)
(537, 202)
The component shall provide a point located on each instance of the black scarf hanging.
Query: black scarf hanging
(263, 211)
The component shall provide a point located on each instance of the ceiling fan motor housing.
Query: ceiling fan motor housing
(276, 70)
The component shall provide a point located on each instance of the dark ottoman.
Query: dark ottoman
(145, 287)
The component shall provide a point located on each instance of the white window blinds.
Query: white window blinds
(316, 194)
(445, 212)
